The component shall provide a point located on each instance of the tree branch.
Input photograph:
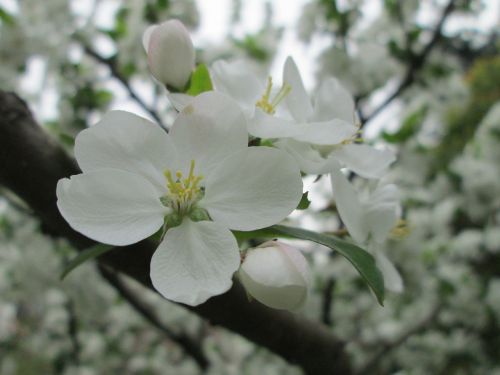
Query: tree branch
(192, 348)
(415, 64)
(31, 163)
(115, 72)
(326, 303)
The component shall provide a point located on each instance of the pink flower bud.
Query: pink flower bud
(171, 56)
(276, 275)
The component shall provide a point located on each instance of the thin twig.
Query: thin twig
(115, 72)
(415, 64)
(16, 204)
(367, 368)
(192, 348)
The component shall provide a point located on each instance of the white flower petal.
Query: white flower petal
(195, 261)
(333, 102)
(348, 206)
(365, 160)
(276, 274)
(297, 100)
(327, 133)
(386, 194)
(264, 125)
(253, 189)
(171, 55)
(179, 101)
(308, 159)
(380, 220)
(236, 80)
(382, 211)
(392, 279)
(110, 206)
(146, 36)
(208, 130)
(128, 142)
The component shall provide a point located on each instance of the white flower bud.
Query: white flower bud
(171, 55)
(276, 275)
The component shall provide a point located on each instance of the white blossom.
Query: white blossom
(171, 55)
(135, 175)
(369, 220)
(276, 275)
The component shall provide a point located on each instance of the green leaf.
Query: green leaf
(200, 81)
(304, 202)
(259, 233)
(102, 98)
(392, 7)
(397, 51)
(359, 258)
(87, 254)
(67, 139)
(7, 17)
(121, 24)
(409, 127)
(162, 4)
(153, 10)
(128, 69)
(250, 44)
(414, 34)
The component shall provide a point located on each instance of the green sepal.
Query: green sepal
(166, 200)
(172, 220)
(304, 202)
(199, 214)
(200, 81)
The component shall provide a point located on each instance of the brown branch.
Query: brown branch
(31, 163)
(73, 332)
(416, 62)
(326, 304)
(191, 347)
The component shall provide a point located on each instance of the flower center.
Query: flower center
(355, 138)
(183, 193)
(269, 105)
(400, 230)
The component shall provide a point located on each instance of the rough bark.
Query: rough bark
(31, 163)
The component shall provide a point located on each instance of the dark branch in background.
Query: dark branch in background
(420, 326)
(191, 347)
(115, 72)
(31, 163)
(73, 332)
(415, 64)
(327, 302)
(465, 50)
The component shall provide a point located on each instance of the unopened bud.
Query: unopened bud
(171, 55)
(276, 275)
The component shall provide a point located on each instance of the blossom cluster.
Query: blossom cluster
(233, 160)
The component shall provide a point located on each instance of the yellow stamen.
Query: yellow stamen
(267, 105)
(183, 192)
(353, 138)
(400, 230)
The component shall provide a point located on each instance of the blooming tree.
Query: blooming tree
(289, 216)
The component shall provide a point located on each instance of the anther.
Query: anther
(270, 106)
